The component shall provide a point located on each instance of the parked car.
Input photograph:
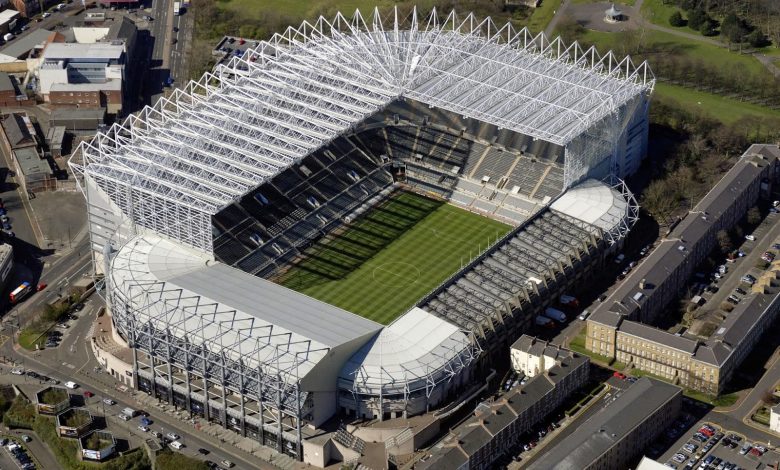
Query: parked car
(109, 401)
(750, 237)
(172, 436)
(71, 385)
(26, 438)
(17, 371)
(143, 428)
(176, 445)
(203, 451)
(227, 463)
(740, 291)
(46, 14)
(123, 417)
(157, 434)
(745, 449)
(89, 394)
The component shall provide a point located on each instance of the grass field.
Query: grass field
(656, 11)
(383, 263)
(670, 44)
(723, 109)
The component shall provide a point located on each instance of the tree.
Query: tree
(724, 242)
(757, 39)
(696, 18)
(708, 28)
(732, 28)
(676, 19)
(754, 216)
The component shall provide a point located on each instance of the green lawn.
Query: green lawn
(660, 42)
(542, 16)
(300, 9)
(385, 262)
(724, 109)
(657, 12)
(621, 2)
(29, 337)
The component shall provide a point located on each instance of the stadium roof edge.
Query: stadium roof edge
(229, 132)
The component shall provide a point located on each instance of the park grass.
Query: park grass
(723, 109)
(30, 337)
(722, 400)
(620, 2)
(658, 13)
(667, 43)
(386, 261)
(542, 16)
(309, 9)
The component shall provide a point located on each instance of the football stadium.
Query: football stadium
(353, 218)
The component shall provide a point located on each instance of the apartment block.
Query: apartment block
(497, 426)
(621, 327)
(618, 434)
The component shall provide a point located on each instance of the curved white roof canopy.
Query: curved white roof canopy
(415, 351)
(596, 203)
(242, 316)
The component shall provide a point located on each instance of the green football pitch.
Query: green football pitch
(387, 260)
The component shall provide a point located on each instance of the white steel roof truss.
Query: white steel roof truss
(158, 155)
(267, 84)
(250, 96)
(181, 154)
(243, 162)
(275, 130)
(311, 132)
(216, 133)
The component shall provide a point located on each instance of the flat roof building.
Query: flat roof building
(614, 436)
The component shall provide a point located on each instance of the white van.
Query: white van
(129, 412)
(71, 385)
(176, 445)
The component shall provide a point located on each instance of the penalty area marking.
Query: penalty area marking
(396, 274)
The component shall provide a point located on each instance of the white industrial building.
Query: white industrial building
(195, 202)
(97, 64)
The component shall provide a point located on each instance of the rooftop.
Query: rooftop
(21, 46)
(31, 162)
(93, 52)
(5, 82)
(8, 15)
(609, 425)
